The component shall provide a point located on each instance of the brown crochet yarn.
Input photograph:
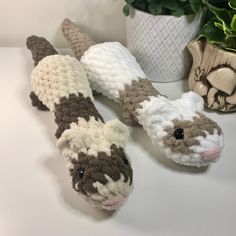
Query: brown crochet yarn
(132, 96)
(91, 164)
(69, 109)
(40, 48)
(95, 169)
(78, 41)
(37, 103)
(192, 129)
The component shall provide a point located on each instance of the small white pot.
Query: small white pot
(159, 43)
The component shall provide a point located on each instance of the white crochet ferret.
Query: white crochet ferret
(187, 136)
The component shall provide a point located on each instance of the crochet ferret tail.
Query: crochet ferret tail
(39, 48)
(78, 41)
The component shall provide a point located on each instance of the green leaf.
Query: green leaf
(141, 5)
(169, 7)
(178, 12)
(186, 6)
(222, 14)
(228, 31)
(126, 9)
(219, 25)
(155, 8)
(195, 5)
(233, 23)
(212, 33)
(231, 44)
(232, 4)
(170, 4)
(129, 1)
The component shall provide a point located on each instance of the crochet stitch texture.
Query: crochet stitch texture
(94, 150)
(113, 71)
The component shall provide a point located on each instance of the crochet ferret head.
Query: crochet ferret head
(94, 150)
(99, 167)
(187, 136)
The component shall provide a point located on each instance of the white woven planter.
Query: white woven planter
(159, 43)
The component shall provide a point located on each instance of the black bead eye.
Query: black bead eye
(81, 173)
(179, 134)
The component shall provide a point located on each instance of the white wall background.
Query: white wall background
(102, 19)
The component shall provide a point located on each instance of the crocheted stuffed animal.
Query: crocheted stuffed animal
(94, 150)
(187, 136)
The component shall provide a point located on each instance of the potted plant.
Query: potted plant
(158, 32)
(213, 73)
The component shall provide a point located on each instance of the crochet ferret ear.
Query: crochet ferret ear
(116, 132)
(161, 108)
(193, 101)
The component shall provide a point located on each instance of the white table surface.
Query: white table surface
(36, 197)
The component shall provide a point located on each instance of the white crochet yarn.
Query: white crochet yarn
(195, 159)
(110, 67)
(159, 112)
(58, 76)
(91, 137)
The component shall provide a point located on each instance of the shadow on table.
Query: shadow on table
(133, 214)
(110, 105)
(57, 167)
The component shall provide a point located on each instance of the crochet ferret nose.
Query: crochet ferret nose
(211, 154)
(113, 203)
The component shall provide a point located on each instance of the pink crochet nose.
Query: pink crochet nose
(211, 154)
(113, 203)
